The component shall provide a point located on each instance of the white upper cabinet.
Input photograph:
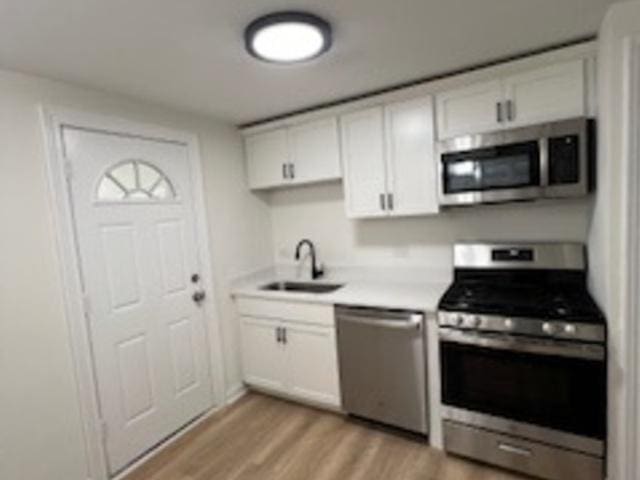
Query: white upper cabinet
(470, 109)
(315, 151)
(389, 164)
(546, 94)
(550, 93)
(305, 153)
(364, 163)
(411, 165)
(267, 158)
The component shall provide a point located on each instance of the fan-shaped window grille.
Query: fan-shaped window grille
(134, 180)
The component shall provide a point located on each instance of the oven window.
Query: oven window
(509, 166)
(555, 392)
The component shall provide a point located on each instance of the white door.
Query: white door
(312, 363)
(472, 109)
(315, 151)
(267, 159)
(551, 93)
(262, 353)
(133, 207)
(364, 164)
(411, 162)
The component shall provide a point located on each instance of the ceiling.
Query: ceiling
(189, 54)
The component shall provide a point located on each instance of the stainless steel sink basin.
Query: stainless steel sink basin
(302, 287)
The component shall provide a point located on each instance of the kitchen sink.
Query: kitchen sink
(302, 287)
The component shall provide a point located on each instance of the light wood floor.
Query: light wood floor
(261, 438)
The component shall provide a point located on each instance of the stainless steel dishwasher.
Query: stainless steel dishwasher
(382, 357)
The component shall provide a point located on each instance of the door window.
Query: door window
(134, 180)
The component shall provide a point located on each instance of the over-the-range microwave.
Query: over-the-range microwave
(550, 160)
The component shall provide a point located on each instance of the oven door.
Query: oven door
(552, 384)
(492, 174)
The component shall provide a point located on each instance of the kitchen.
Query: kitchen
(442, 264)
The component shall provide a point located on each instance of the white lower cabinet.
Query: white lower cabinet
(312, 363)
(262, 354)
(294, 358)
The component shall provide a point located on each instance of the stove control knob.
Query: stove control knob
(472, 321)
(570, 329)
(508, 324)
(549, 328)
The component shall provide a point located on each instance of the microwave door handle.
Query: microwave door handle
(543, 145)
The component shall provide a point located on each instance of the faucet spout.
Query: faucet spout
(316, 271)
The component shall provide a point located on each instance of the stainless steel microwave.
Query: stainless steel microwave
(550, 160)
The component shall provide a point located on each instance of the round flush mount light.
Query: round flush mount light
(288, 37)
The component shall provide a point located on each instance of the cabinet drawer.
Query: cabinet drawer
(520, 455)
(318, 314)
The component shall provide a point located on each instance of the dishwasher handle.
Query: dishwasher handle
(413, 322)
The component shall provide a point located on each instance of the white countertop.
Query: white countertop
(423, 296)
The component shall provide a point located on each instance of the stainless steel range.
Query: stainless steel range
(523, 359)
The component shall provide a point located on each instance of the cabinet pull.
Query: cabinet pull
(284, 171)
(284, 335)
(390, 201)
(510, 111)
(499, 115)
(292, 171)
(278, 335)
(383, 205)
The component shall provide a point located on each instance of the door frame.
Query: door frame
(53, 121)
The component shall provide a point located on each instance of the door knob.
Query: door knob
(199, 296)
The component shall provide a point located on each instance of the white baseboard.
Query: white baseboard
(235, 393)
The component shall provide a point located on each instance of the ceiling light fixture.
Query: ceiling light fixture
(288, 37)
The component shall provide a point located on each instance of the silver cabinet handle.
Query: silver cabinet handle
(277, 331)
(510, 111)
(383, 205)
(284, 335)
(390, 201)
(284, 171)
(523, 452)
(499, 115)
(292, 171)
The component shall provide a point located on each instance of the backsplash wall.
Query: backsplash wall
(317, 212)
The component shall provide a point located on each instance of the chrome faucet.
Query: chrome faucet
(316, 270)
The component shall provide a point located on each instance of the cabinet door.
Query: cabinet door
(411, 162)
(471, 109)
(266, 155)
(363, 162)
(315, 151)
(262, 355)
(551, 93)
(312, 363)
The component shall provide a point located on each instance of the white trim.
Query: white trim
(236, 393)
(53, 120)
(630, 249)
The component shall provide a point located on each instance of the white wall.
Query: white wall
(40, 431)
(607, 240)
(317, 212)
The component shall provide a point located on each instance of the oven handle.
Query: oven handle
(520, 344)
(544, 161)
